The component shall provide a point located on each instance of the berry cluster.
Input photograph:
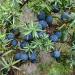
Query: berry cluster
(25, 57)
(47, 20)
(55, 37)
(44, 21)
(14, 41)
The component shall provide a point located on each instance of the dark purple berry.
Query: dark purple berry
(41, 34)
(56, 54)
(28, 37)
(43, 24)
(23, 44)
(24, 57)
(54, 38)
(41, 16)
(21, 56)
(17, 56)
(33, 57)
(65, 16)
(49, 20)
(14, 42)
(10, 36)
(58, 34)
